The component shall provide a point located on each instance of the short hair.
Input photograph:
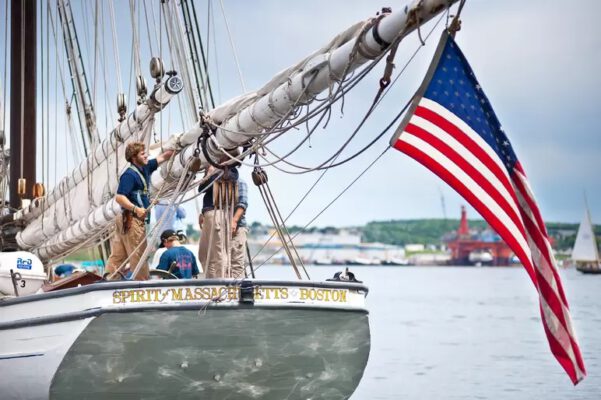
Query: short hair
(133, 149)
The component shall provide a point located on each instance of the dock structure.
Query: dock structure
(483, 248)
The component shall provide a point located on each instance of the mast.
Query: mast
(23, 97)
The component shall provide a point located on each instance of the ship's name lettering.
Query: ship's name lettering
(330, 295)
(224, 293)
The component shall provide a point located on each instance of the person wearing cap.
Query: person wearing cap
(178, 260)
(129, 239)
(223, 226)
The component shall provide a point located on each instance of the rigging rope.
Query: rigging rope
(115, 46)
(327, 206)
(231, 40)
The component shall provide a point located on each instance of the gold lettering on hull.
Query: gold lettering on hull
(229, 293)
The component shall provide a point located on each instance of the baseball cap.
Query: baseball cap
(166, 235)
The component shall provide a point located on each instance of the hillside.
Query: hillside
(430, 231)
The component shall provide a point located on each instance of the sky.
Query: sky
(537, 61)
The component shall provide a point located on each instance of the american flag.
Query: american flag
(452, 129)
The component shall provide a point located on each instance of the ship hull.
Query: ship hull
(266, 349)
(589, 270)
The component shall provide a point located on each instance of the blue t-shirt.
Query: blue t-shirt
(186, 262)
(132, 186)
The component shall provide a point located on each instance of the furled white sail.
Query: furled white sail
(585, 247)
(82, 204)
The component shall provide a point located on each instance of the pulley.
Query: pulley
(121, 106)
(38, 190)
(259, 176)
(157, 71)
(21, 187)
(141, 88)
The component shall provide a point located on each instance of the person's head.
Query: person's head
(233, 153)
(135, 153)
(169, 238)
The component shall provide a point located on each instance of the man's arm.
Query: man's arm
(241, 204)
(237, 215)
(164, 262)
(124, 202)
(164, 156)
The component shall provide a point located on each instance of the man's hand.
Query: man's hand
(140, 212)
(234, 226)
(201, 219)
(164, 156)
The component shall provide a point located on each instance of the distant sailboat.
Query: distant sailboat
(585, 254)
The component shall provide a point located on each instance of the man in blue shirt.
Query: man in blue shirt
(132, 195)
(172, 216)
(220, 230)
(180, 261)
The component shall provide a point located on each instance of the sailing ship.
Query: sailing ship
(585, 254)
(232, 338)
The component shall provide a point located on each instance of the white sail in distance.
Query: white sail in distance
(585, 247)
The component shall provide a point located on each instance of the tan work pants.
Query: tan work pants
(212, 247)
(122, 245)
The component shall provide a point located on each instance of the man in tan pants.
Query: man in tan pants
(132, 195)
(223, 227)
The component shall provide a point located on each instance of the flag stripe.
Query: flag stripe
(529, 197)
(525, 194)
(475, 153)
(475, 197)
(462, 132)
(488, 183)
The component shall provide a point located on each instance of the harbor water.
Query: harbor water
(468, 333)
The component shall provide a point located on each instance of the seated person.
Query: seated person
(185, 262)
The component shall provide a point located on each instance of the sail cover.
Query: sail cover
(585, 247)
(452, 129)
